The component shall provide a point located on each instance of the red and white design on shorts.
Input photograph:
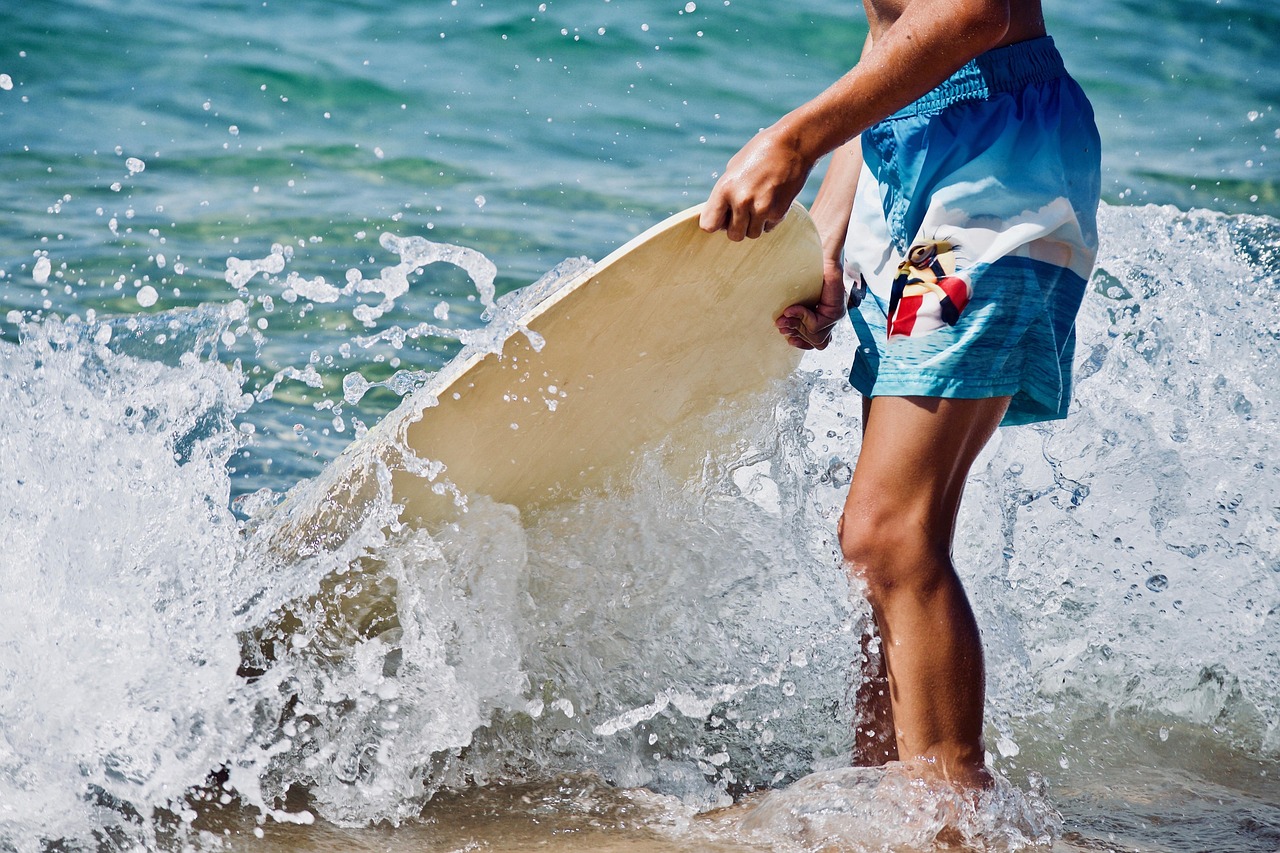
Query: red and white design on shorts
(927, 294)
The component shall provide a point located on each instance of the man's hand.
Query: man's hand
(757, 187)
(810, 328)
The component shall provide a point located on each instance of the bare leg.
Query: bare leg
(896, 533)
(874, 740)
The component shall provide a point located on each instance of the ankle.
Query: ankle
(966, 775)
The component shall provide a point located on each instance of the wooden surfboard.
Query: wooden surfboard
(667, 328)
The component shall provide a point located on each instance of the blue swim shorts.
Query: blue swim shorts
(973, 234)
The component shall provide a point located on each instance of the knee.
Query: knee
(891, 553)
(868, 547)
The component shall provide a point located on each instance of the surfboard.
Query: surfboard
(668, 327)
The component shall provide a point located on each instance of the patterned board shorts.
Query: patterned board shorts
(974, 232)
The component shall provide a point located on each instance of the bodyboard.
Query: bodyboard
(667, 328)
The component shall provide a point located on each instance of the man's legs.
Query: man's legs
(874, 741)
(896, 533)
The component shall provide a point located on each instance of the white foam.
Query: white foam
(700, 632)
(121, 580)
(862, 809)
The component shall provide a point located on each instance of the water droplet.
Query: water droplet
(6, 82)
(134, 165)
(147, 296)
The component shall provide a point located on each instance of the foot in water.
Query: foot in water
(901, 806)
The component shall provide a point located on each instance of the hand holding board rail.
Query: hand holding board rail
(664, 329)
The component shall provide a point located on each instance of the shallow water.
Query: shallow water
(166, 375)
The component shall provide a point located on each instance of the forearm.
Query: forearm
(834, 201)
(809, 326)
(929, 42)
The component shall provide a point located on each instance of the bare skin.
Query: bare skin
(923, 692)
(913, 46)
(896, 534)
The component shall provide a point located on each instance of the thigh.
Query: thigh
(916, 454)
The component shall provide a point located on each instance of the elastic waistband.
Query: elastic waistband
(1004, 69)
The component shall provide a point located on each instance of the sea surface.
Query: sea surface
(223, 226)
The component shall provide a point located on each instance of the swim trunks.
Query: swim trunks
(973, 234)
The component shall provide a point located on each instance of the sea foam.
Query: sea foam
(691, 637)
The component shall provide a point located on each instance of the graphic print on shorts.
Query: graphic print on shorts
(927, 294)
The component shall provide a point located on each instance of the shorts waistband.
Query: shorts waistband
(1004, 69)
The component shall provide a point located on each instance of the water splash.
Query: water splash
(391, 284)
(121, 580)
(1142, 533)
(689, 636)
(866, 810)
(511, 645)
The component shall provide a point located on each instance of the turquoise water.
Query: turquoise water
(150, 402)
(313, 123)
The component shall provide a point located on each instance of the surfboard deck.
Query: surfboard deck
(666, 328)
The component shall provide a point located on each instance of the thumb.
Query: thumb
(713, 217)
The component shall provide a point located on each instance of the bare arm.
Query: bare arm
(925, 45)
(834, 201)
(809, 327)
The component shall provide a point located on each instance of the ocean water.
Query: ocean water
(236, 235)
